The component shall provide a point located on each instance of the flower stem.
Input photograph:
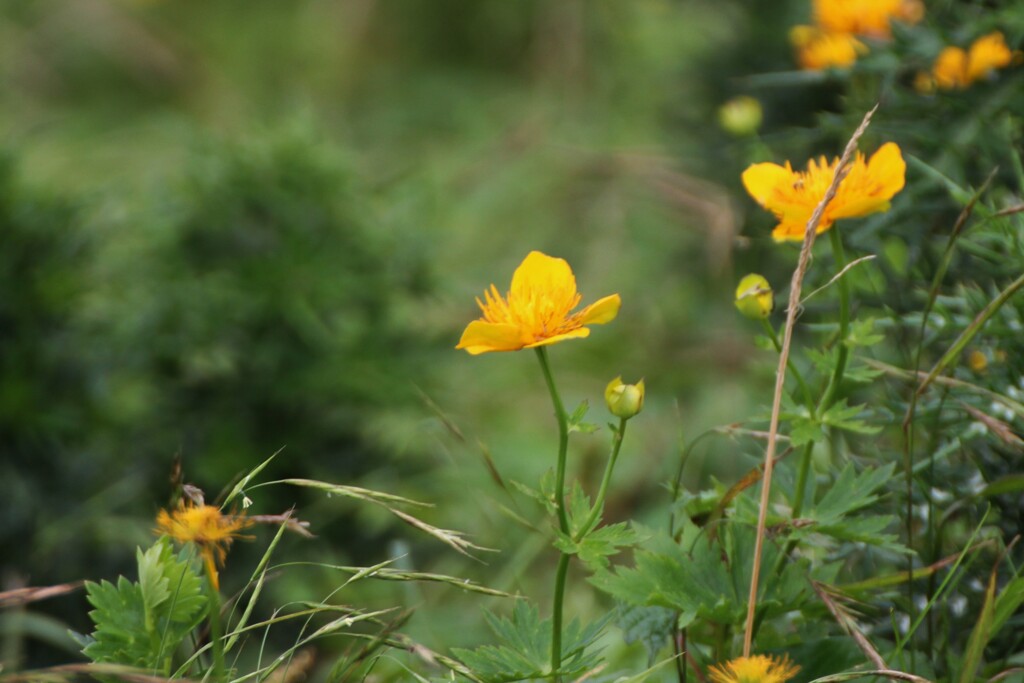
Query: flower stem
(563, 440)
(216, 632)
(563, 518)
(844, 324)
(801, 481)
(804, 389)
(595, 512)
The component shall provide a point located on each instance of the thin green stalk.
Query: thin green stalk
(801, 481)
(216, 632)
(844, 323)
(563, 518)
(804, 389)
(605, 481)
(563, 439)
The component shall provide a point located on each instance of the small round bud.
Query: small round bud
(754, 297)
(740, 116)
(624, 400)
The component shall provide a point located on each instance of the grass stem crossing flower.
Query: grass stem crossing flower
(793, 195)
(536, 311)
(204, 525)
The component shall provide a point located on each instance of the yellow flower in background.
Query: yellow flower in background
(817, 50)
(793, 195)
(205, 526)
(754, 669)
(957, 68)
(977, 361)
(870, 18)
(754, 297)
(537, 310)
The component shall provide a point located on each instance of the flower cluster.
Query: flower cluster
(832, 42)
(956, 68)
(793, 195)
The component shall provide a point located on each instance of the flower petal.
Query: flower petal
(481, 337)
(540, 272)
(788, 231)
(887, 168)
(578, 333)
(762, 180)
(601, 311)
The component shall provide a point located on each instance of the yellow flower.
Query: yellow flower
(977, 361)
(865, 17)
(958, 68)
(793, 195)
(817, 50)
(755, 669)
(205, 526)
(754, 297)
(624, 400)
(536, 311)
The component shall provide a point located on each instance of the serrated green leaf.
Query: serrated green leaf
(142, 624)
(524, 649)
(595, 547)
(862, 333)
(652, 626)
(845, 417)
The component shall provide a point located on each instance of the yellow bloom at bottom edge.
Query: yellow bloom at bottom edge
(754, 669)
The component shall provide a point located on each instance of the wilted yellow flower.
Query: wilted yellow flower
(536, 311)
(741, 115)
(205, 526)
(865, 17)
(817, 50)
(958, 68)
(754, 297)
(793, 195)
(754, 669)
(624, 400)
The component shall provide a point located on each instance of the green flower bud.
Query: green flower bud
(754, 297)
(624, 400)
(740, 116)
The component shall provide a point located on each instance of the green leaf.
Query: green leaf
(576, 423)
(594, 548)
(652, 626)
(524, 645)
(862, 333)
(842, 416)
(142, 624)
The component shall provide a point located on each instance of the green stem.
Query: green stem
(801, 483)
(563, 440)
(563, 518)
(216, 632)
(804, 389)
(595, 512)
(844, 323)
(556, 615)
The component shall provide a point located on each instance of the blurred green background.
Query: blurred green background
(237, 226)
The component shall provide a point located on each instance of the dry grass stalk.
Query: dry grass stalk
(792, 310)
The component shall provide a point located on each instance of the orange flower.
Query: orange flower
(205, 526)
(754, 669)
(958, 68)
(793, 195)
(865, 17)
(536, 311)
(817, 50)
